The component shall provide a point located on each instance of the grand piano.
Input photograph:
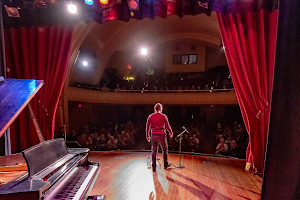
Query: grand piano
(54, 171)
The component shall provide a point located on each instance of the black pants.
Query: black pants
(162, 140)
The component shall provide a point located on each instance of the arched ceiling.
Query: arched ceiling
(107, 38)
(123, 36)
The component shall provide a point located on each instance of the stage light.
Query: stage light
(85, 63)
(104, 2)
(72, 8)
(12, 11)
(89, 2)
(133, 4)
(144, 51)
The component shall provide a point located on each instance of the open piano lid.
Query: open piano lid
(15, 94)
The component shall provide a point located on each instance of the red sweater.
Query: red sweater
(158, 123)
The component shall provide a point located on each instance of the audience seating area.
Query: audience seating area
(230, 140)
(216, 79)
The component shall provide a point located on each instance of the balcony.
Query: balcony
(146, 97)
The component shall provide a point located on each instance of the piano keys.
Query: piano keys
(73, 185)
(54, 172)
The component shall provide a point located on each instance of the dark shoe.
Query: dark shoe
(168, 165)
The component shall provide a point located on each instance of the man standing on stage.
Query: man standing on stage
(158, 123)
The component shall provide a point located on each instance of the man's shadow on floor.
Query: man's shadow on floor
(166, 186)
(205, 191)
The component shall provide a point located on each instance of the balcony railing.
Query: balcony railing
(147, 97)
(151, 91)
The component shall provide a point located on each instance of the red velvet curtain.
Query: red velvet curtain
(250, 42)
(37, 53)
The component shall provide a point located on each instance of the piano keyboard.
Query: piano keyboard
(72, 186)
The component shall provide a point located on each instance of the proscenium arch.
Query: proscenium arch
(204, 30)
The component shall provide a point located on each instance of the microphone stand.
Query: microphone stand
(180, 138)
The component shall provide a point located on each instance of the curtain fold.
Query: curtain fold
(250, 42)
(38, 53)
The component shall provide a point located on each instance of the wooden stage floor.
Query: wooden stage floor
(125, 176)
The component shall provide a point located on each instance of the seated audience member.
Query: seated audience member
(124, 141)
(104, 88)
(90, 144)
(194, 143)
(233, 149)
(222, 148)
(219, 132)
(101, 142)
(82, 139)
(112, 143)
(118, 89)
(241, 136)
(179, 90)
(129, 143)
(193, 89)
(228, 140)
(198, 134)
(73, 136)
(120, 142)
(219, 129)
(218, 137)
